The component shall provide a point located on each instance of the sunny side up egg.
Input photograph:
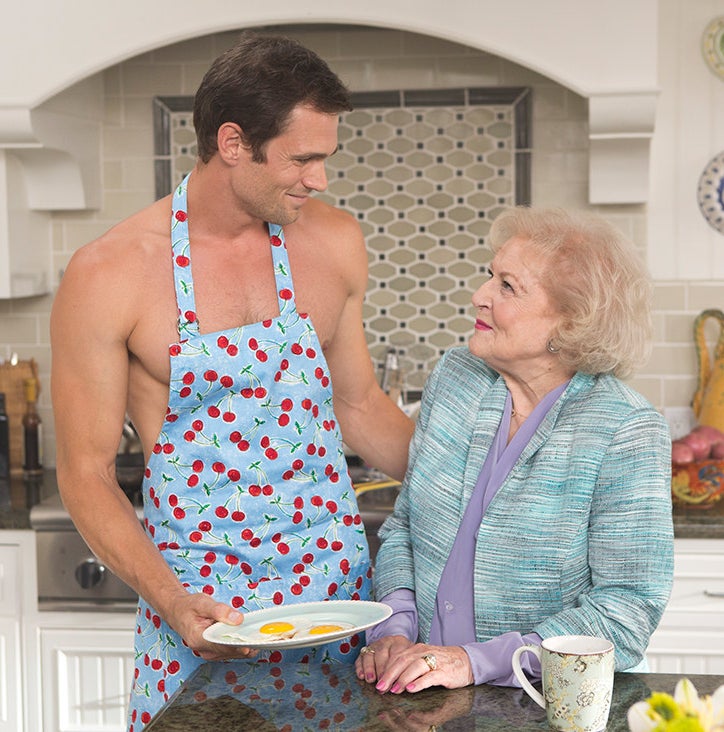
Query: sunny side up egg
(280, 630)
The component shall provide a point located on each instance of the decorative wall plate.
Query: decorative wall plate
(712, 46)
(710, 193)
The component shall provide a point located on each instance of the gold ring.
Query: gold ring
(430, 660)
(366, 649)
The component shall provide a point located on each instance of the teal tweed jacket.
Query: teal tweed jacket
(579, 538)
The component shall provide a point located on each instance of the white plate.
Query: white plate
(353, 615)
(710, 193)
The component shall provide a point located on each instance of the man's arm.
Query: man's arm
(372, 425)
(91, 321)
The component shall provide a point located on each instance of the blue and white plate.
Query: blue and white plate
(299, 626)
(710, 193)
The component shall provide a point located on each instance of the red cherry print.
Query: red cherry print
(271, 453)
(324, 381)
(298, 502)
(246, 534)
(237, 601)
(284, 364)
(205, 571)
(357, 520)
(255, 542)
(204, 526)
(337, 546)
(261, 356)
(275, 241)
(186, 391)
(296, 589)
(276, 537)
(283, 548)
(334, 478)
(304, 580)
(285, 293)
(316, 501)
(328, 469)
(222, 341)
(174, 350)
(322, 543)
(157, 449)
(298, 568)
(260, 392)
(245, 568)
(228, 417)
(358, 583)
(255, 490)
(311, 353)
(308, 558)
(332, 589)
(221, 511)
(233, 349)
(243, 445)
(265, 441)
(283, 420)
(278, 598)
(306, 403)
(319, 372)
(190, 316)
(156, 664)
(179, 513)
(226, 381)
(331, 506)
(145, 717)
(234, 475)
(210, 375)
(286, 405)
(181, 215)
(213, 411)
(189, 435)
(235, 436)
(197, 466)
(253, 344)
(230, 677)
(347, 519)
(322, 451)
(198, 425)
(173, 667)
(278, 376)
(315, 411)
(231, 560)
(298, 517)
(207, 589)
(238, 515)
(188, 378)
(287, 475)
(311, 449)
(247, 392)
(210, 557)
(168, 448)
(173, 500)
(344, 566)
(296, 349)
(218, 467)
(182, 261)
(267, 490)
(267, 323)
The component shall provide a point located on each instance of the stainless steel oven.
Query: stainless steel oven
(70, 576)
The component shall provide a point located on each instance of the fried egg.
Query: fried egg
(281, 630)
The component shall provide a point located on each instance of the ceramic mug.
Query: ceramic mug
(577, 675)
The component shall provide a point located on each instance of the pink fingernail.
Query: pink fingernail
(380, 686)
(395, 689)
(410, 687)
(370, 677)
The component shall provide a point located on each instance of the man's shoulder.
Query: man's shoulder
(320, 217)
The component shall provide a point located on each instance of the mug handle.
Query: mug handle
(533, 693)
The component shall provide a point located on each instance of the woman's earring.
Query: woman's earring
(551, 348)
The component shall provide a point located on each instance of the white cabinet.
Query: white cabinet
(11, 671)
(690, 637)
(86, 673)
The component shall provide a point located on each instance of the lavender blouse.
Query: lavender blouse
(454, 621)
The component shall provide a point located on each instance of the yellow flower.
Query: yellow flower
(684, 712)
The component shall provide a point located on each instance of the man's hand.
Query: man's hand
(190, 617)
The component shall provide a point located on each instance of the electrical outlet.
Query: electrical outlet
(681, 421)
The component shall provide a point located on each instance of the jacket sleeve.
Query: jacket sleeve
(630, 543)
(394, 564)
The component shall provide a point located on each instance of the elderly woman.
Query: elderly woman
(537, 498)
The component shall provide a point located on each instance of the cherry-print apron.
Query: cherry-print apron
(247, 493)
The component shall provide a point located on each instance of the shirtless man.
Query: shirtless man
(227, 375)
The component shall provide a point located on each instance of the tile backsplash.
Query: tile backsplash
(369, 60)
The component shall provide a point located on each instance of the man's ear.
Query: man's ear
(230, 143)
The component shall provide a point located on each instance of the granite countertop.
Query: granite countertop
(15, 505)
(689, 523)
(244, 695)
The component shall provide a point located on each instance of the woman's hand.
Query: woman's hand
(373, 658)
(420, 666)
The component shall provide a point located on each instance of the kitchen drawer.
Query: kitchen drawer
(9, 580)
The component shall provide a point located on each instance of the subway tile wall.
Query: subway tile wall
(368, 60)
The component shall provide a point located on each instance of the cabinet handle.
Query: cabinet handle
(714, 593)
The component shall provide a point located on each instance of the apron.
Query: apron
(247, 493)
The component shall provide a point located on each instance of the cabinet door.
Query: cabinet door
(86, 679)
(11, 672)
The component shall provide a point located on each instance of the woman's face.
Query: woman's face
(515, 317)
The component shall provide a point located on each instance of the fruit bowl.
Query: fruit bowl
(698, 484)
